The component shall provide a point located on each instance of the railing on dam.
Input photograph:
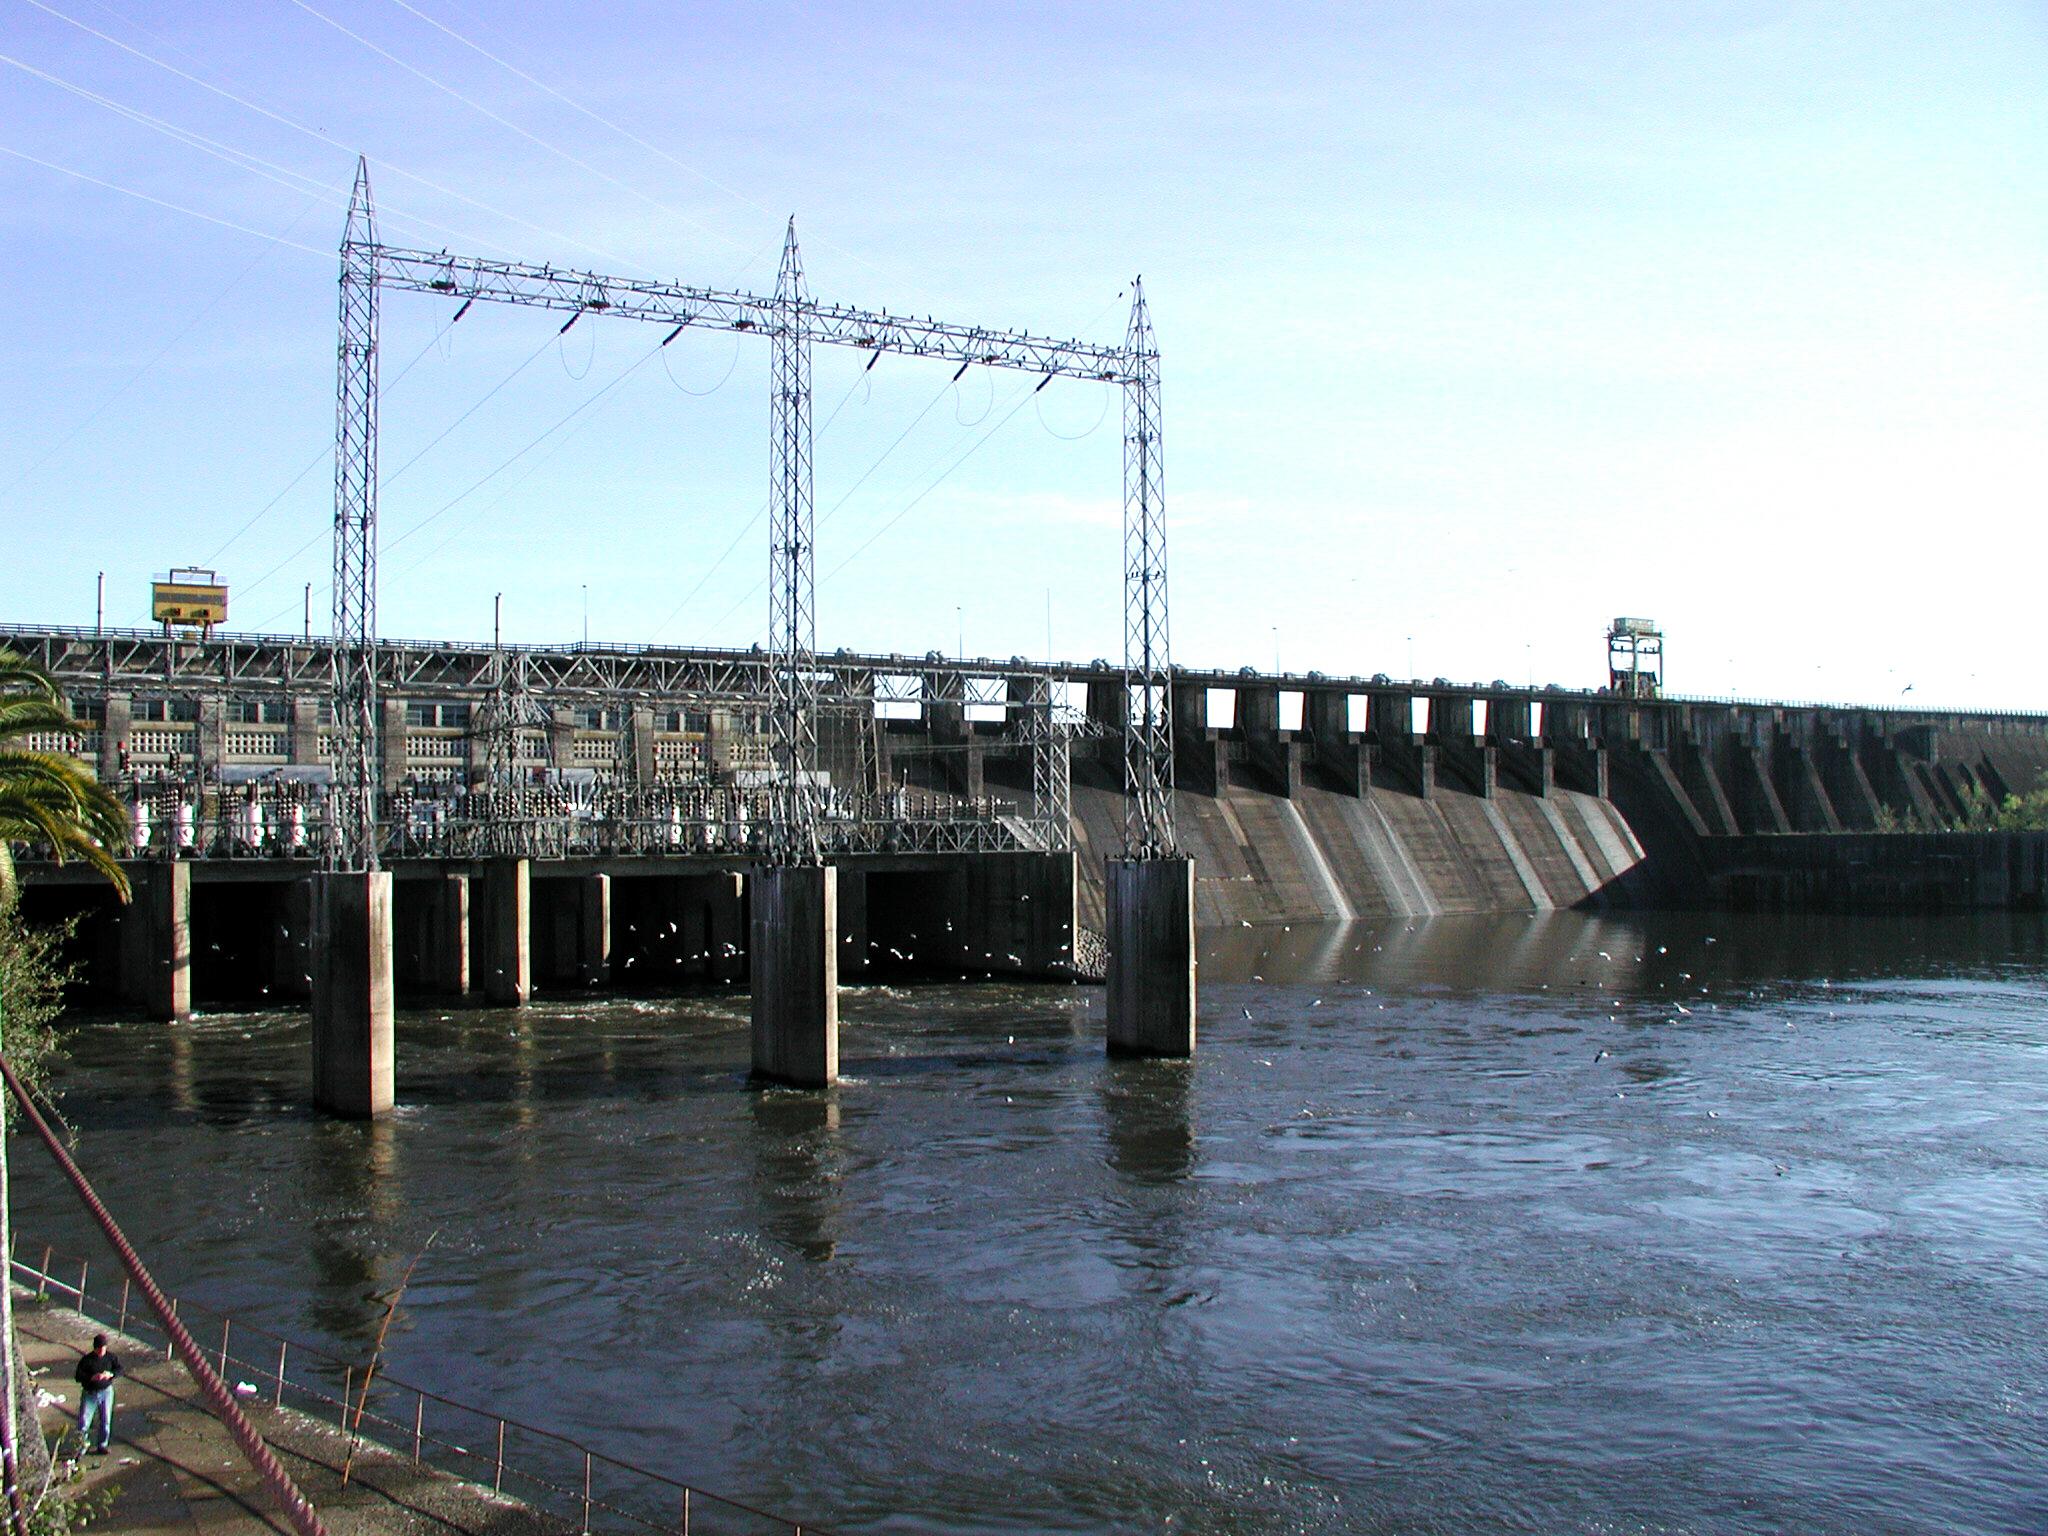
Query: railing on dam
(291, 821)
(552, 1473)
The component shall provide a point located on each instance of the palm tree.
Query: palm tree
(50, 797)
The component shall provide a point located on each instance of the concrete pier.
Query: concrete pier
(1151, 911)
(794, 958)
(156, 940)
(352, 994)
(502, 962)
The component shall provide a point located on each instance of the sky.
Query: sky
(1480, 324)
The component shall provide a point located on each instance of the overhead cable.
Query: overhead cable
(240, 159)
(111, 186)
(318, 459)
(314, 133)
(507, 123)
(136, 377)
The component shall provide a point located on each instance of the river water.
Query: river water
(1557, 1224)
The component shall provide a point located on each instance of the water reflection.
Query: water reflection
(1148, 1126)
(350, 1177)
(795, 1157)
(1622, 953)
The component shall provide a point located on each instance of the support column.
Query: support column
(795, 963)
(116, 728)
(352, 1038)
(1151, 919)
(156, 940)
(505, 933)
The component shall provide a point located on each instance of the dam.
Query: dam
(972, 807)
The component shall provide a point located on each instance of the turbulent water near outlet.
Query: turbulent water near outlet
(1663, 1224)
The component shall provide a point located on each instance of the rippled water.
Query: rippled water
(1520, 1224)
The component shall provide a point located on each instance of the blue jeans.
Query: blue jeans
(96, 1416)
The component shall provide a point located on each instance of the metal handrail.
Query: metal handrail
(1066, 671)
(664, 1504)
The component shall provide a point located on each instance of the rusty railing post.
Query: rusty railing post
(82, 1265)
(419, 1413)
(43, 1279)
(498, 1477)
(122, 1325)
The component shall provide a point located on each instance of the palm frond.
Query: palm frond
(50, 797)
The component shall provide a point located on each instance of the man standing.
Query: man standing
(95, 1376)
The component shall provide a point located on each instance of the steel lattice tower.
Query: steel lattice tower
(353, 845)
(793, 322)
(792, 580)
(1148, 664)
(1052, 791)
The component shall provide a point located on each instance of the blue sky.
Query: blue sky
(1481, 323)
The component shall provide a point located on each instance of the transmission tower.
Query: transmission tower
(353, 844)
(1052, 791)
(1148, 665)
(793, 321)
(792, 583)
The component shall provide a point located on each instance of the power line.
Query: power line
(477, 406)
(604, 122)
(619, 379)
(761, 512)
(314, 133)
(911, 506)
(847, 494)
(136, 377)
(755, 591)
(507, 123)
(112, 186)
(532, 470)
(311, 464)
(240, 159)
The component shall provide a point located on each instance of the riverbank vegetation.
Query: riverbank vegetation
(1980, 812)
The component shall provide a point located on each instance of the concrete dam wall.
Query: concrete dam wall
(1301, 797)
(1320, 855)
